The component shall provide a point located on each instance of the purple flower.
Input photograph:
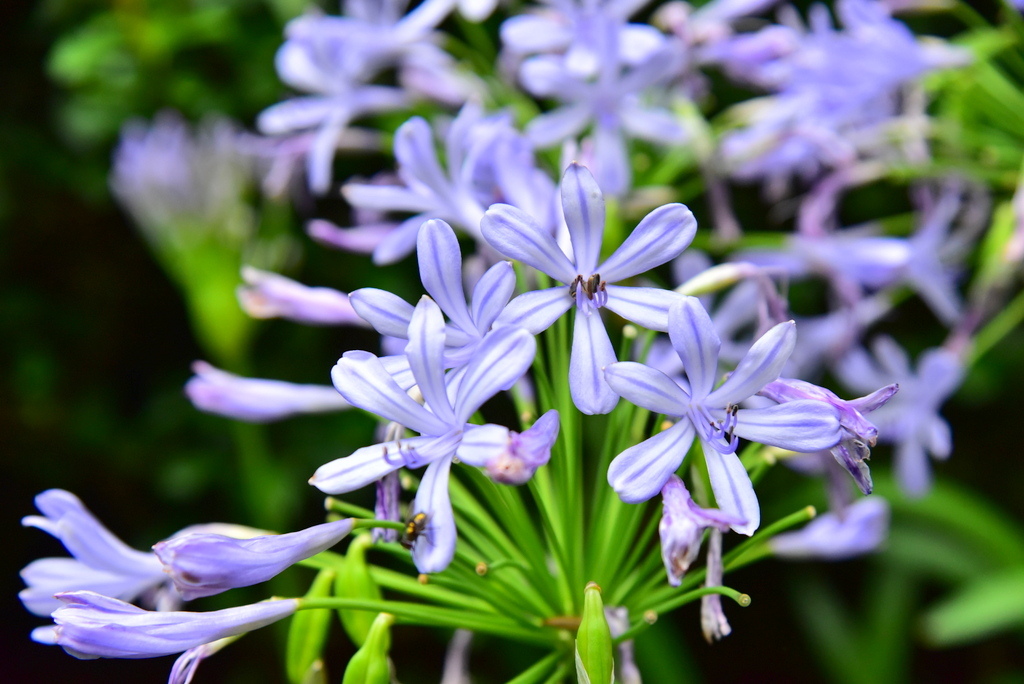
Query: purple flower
(862, 528)
(522, 454)
(911, 420)
(90, 625)
(457, 196)
(660, 237)
(101, 562)
(185, 666)
(255, 400)
(712, 618)
(269, 295)
(500, 359)
(601, 92)
(682, 528)
(712, 415)
(858, 434)
(207, 564)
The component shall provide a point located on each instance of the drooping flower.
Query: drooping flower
(713, 622)
(255, 400)
(500, 359)
(682, 528)
(660, 237)
(858, 434)
(713, 415)
(204, 564)
(270, 295)
(861, 528)
(911, 421)
(101, 562)
(90, 625)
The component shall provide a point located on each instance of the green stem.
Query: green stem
(682, 600)
(538, 671)
(1001, 325)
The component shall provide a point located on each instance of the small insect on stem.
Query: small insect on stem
(413, 529)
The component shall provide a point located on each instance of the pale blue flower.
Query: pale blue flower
(270, 295)
(255, 400)
(587, 284)
(90, 625)
(500, 359)
(204, 564)
(713, 415)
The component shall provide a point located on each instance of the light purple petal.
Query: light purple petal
(803, 426)
(440, 261)
(370, 463)
(646, 387)
(660, 237)
(591, 352)
(364, 382)
(389, 314)
(529, 34)
(761, 365)
(734, 493)
(517, 236)
(385, 198)
(270, 295)
(425, 352)
(913, 471)
(48, 576)
(417, 158)
(696, 342)
(537, 310)
(481, 443)
(557, 125)
(359, 239)
(612, 167)
(583, 208)
(319, 163)
(491, 294)
(645, 306)
(400, 243)
(655, 125)
(863, 527)
(434, 549)
(501, 358)
(639, 472)
(295, 115)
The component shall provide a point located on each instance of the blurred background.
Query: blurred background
(97, 343)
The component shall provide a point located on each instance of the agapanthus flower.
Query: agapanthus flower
(682, 528)
(90, 625)
(911, 421)
(610, 102)
(587, 284)
(101, 562)
(858, 433)
(861, 528)
(713, 622)
(204, 564)
(458, 195)
(713, 415)
(256, 400)
(500, 359)
(270, 295)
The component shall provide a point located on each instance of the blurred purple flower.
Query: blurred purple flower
(256, 400)
(862, 528)
(660, 237)
(713, 415)
(269, 295)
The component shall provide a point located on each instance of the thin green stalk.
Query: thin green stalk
(538, 671)
(668, 606)
(1001, 325)
(346, 508)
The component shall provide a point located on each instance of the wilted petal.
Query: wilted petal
(364, 382)
(425, 352)
(761, 365)
(207, 564)
(434, 549)
(645, 306)
(536, 311)
(501, 358)
(440, 262)
(661, 236)
(803, 426)
(648, 388)
(694, 338)
(517, 236)
(639, 472)
(583, 207)
(93, 626)
(861, 529)
(734, 493)
(712, 618)
(591, 353)
(389, 314)
(491, 294)
(256, 400)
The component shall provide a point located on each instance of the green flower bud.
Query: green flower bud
(370, 664)
(594, 664)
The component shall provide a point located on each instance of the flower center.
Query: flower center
(719, 434)
(590, 293)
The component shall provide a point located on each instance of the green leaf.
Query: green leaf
(308, 633)
(354, 581)
(991, 604)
